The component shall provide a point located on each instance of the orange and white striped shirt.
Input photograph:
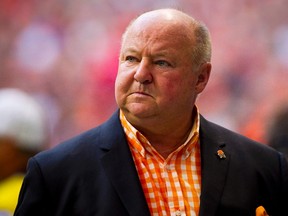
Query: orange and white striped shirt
(171, 186)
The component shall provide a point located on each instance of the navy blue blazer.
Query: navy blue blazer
(94, 174)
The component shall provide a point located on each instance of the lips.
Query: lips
(140, 94)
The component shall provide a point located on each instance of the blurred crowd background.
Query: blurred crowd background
(65, 54)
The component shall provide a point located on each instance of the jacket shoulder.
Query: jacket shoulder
(210, 130)
(88, 145)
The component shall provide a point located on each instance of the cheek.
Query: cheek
(169, 89)
(119, 88)
(122, 85)
(177, 88)
(122, 81)
(174, 84)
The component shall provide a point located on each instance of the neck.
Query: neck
(168, 138)
(166, 144)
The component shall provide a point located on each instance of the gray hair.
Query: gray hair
(201, 51)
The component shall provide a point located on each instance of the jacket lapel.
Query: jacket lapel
(214, 167)
(119, 167)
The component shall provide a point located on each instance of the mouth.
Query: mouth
(141, 94)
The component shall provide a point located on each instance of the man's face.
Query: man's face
(155, 76)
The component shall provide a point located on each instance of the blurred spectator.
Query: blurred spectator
(278, 133)
(22, 134)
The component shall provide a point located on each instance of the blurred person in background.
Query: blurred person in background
(157, 155)
(22, 135)
(278, 132)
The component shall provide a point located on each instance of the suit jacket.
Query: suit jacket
(94, 174)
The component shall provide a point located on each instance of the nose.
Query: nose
(143, 72)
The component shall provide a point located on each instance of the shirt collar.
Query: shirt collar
(140, 143)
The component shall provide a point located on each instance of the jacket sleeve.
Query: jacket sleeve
(284, 192)
(33, 198)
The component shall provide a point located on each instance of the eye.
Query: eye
(131, 59)
(163, 63)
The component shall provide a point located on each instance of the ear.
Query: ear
(203, 75)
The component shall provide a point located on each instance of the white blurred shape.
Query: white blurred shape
(22, 119)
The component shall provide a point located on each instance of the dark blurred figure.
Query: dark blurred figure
(22, 134)
(278, 133)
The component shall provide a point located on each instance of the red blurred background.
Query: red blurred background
(65, 54)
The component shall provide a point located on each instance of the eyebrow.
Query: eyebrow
(160, 53)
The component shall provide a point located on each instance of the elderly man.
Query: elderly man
(157, 155)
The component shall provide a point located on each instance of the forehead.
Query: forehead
(160, 32)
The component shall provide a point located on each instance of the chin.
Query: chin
(139, 112)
